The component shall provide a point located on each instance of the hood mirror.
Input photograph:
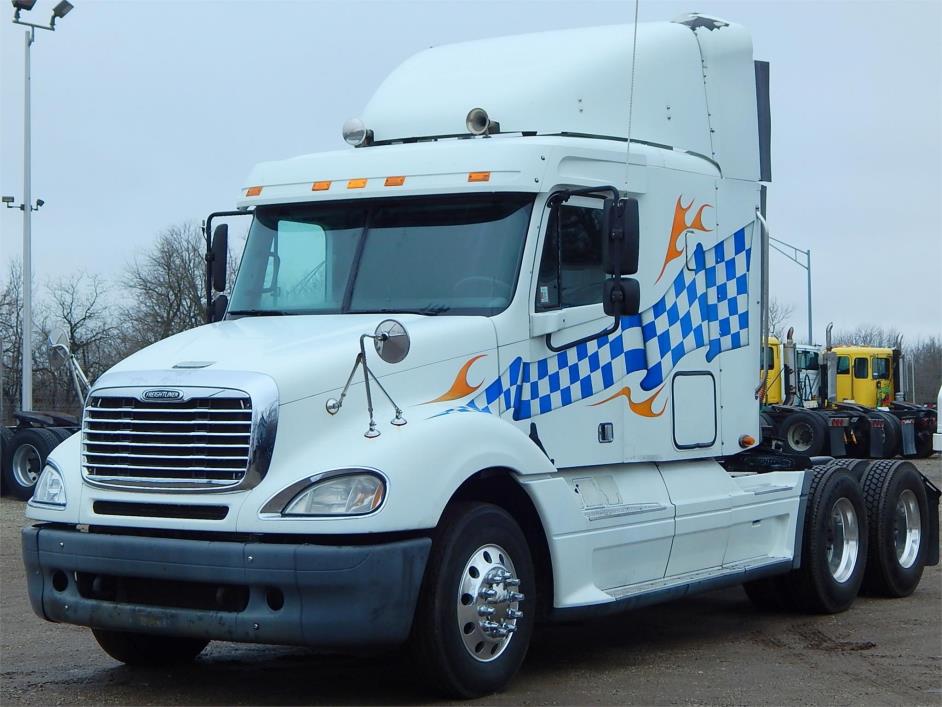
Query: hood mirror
(58, 347)
(391, 340)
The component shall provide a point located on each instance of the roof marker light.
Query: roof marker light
(253, 191)
(394, 181)
(356, 183)
(479, 176)
(320, 186)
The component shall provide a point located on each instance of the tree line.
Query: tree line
(158, 294)
(161, 293)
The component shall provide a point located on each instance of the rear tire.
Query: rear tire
(804, 433)
(142, 649)
(897, 514)
(63, 433)
(6, 436)
(449, 640)
(834, 544)
(25, 461)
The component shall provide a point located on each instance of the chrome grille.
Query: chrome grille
(200, 442)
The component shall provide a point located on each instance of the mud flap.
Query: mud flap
(836, 426)
(932, 498)
(909, 437)
(877, 436)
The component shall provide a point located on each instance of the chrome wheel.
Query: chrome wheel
(26, 463)
(800, 436)
(843, 540)
(907, 529)
(488, 603)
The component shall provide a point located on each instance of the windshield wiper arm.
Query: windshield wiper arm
(259, 312)
(430, 311)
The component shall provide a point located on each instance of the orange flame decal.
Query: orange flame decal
(679, 227)
(460, 388)
(645, 408)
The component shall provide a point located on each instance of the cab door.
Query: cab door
(561, 381)
(845, 384)
(880, 372)
(864, 392)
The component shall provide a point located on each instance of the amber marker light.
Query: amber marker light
(356, 183)
(253, 191)
(394, 181)
(479, 176)
(320, 186)
(747, 441)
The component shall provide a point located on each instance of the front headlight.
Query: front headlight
(50, 488)
(349, 495)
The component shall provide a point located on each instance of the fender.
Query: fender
(451, 448)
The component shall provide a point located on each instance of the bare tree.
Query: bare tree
(11, 340)
(779, 316)
(924, 359)
(166, 286)
(866, 335)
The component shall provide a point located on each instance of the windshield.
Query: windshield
(456, 255)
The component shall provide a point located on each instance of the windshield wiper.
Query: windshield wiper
(429, 311)
(260, 312)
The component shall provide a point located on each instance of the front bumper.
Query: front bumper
(313, 595)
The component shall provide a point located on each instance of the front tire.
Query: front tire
(897, 512)
(476, 612)
(144, 649)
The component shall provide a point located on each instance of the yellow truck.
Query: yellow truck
(841, 401)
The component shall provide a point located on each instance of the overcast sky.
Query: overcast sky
(149, 113)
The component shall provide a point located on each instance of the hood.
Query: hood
(311, 354)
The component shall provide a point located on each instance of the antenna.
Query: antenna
(631, 97)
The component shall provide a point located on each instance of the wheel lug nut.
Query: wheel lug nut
(514, 614)
(487, 593)
(515, 596)
(512, 582)
(485, 611)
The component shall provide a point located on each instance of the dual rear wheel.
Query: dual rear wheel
(868, 536)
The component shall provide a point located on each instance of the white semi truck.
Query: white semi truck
(495, 365)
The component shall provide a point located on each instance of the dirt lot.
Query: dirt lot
(710, 649)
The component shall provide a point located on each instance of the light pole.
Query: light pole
(793, 253)
(58, 12)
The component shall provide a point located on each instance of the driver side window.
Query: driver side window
(571, 272)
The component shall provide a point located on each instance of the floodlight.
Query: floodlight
(62, 9)
(23, 5)
(8, 200)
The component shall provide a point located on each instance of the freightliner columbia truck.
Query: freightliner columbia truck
(494, 365)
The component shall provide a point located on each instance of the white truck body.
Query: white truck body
(614, 443)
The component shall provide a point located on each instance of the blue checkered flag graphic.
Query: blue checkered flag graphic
(726, 269)
(706, 305)
(676, 324)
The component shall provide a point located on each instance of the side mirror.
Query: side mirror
(220, 305)
(622, 240)
(219, 254)
(621, 296)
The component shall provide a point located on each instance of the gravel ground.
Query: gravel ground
(710, 649)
